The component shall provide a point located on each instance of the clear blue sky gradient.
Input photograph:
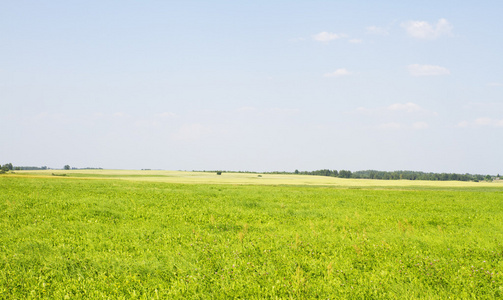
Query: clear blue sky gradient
(253, 85)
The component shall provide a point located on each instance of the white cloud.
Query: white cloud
(427, 70)
(364, 110)
(484, 106)
(377, 30)
(356, 41)
(463, 124)
(338, 73)
(246, 109)
(284, 111)
(190, 132)
(390, 125)
(420, 125)
(327, 36)
(481, 122)
(397, 126)
(166, 114)
(268, 111)
(425, 30)
(407, 107)
(494, 84)
(147, 124)
(410, 107)
(119, 114)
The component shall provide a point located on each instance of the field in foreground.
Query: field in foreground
(96, 237)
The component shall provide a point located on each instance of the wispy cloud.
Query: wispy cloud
(246, 109)
(485, 107)
(119, 114)
(338, 73)
(427, 70)
(284, 111)
(390, 126)
(400, 108)
(494, 84)
(420, 125)
(356, 41)
(410, 108)
(481, 122)
(278, 111)
(327, 36)
(407, 107)
(115, 115)
(166, 114)
(463, 124)
(398, 116)
(376, 30)
(364, 111)
(401, 126)
(191, 132)
(427, 31)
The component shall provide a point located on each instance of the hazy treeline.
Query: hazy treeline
(30, 168)
(9, 167)
(397, 175)
(366, 174)
(383, 175)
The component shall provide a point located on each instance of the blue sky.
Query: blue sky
(253, 85)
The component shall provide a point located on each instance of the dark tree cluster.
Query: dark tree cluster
(6, 168)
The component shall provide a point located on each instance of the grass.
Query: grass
(104, 234)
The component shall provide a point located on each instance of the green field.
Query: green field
(173, 235)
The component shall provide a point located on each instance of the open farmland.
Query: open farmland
(158, 234)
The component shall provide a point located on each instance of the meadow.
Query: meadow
(171, 235)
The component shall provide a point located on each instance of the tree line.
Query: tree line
(9, 167)
(367, 174)
(382, 175)
(397, 175)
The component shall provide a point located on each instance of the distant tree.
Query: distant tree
(67, 167)
(296, 171)
(219, 173)
(5, 168)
